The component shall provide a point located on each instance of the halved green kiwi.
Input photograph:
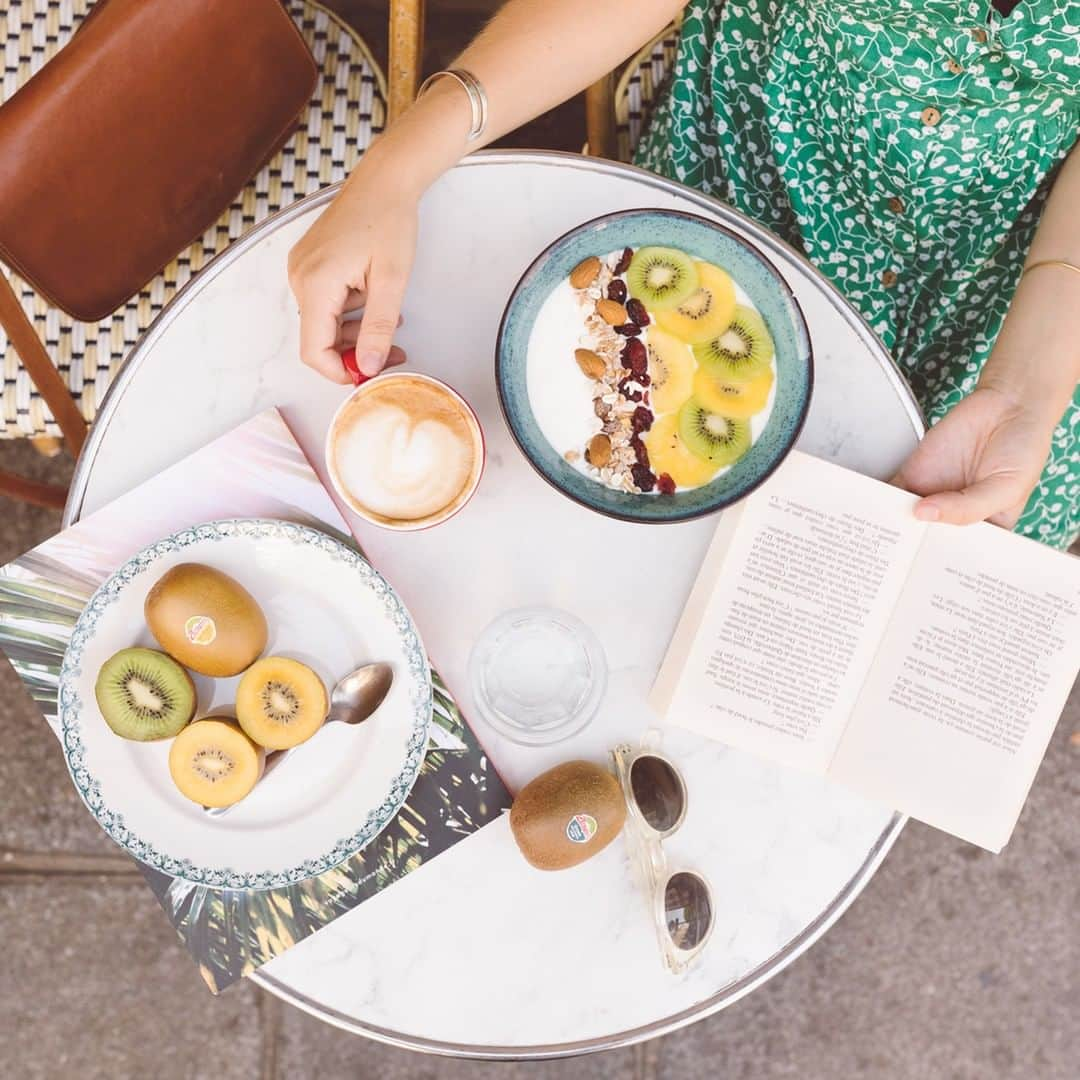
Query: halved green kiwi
(743, 351)
(661, 278)
(719, 440)
(144, 695)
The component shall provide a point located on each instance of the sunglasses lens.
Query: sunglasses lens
(687, 910)
(658, 792)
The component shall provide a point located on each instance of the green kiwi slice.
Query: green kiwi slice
(661, 278)
(743, 351)
(144, 695)
(720, 440)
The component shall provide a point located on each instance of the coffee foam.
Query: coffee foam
(405, 449)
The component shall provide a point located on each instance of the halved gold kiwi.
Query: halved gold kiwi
(732, 397)
(213, 763)
(707, 311)
(671, 369)
(280, 703)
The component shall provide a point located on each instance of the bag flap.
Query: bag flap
(135, 137)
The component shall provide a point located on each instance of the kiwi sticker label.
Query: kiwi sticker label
(581, 828)
(200, 630)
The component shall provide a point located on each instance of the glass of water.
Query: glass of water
(537, 675)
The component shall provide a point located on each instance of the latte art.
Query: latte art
(404, 450)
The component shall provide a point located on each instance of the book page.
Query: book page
(667, 679)
(969, 683)
(792, 617)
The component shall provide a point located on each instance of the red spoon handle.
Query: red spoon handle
(348, 359)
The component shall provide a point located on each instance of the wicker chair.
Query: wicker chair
(55, 369)
(618, 107)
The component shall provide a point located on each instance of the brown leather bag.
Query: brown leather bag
(126, 147)
(137, 135)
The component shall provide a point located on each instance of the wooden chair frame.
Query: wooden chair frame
(406, 44)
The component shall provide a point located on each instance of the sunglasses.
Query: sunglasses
(680, 900)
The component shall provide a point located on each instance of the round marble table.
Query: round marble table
(476, 953)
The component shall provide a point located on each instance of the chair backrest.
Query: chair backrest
(618, 109)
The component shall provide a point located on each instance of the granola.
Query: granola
(615, 358)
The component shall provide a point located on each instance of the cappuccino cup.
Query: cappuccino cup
(405, 451)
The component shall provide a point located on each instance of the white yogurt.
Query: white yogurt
(559, 392)
(561, 395)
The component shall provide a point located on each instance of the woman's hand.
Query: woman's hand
(980, 461)
(357, 254)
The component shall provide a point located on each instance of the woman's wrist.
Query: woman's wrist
(423, 144)
(1044, 400)
(1036, 359)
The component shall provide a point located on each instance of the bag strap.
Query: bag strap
(40, 368)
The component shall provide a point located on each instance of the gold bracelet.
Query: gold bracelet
(474, 90)
(1050, 262)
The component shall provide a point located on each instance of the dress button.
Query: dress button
(931, 117)
(888, 279)
(896, 205)
(980, 35)
(954, 68)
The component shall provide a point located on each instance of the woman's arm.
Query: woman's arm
(985, 457)
(533, 55)
(1037, 354)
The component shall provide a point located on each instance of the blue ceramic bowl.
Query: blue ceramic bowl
(705, 240)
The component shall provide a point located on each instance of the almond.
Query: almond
(591, 364)
(612, 312)
(599, 451)
(584, 274)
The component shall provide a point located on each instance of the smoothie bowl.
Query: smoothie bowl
(653, 366)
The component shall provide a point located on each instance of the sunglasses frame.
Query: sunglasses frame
(646, 847)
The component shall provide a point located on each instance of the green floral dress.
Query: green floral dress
(907, 147)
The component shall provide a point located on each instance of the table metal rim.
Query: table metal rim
(801, 942)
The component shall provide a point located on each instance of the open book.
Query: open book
(924, 666)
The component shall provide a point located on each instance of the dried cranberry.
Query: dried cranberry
(634, 356)
(665, 485)
(617, 290)
(641, 451)
(643, 378)
(643, 477)
(629, 330)
(636, 310)
(627, 393)
(641, 420)
(624, 261)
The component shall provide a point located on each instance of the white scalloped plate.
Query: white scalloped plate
(325, 606)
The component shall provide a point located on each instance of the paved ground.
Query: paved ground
(953, 965)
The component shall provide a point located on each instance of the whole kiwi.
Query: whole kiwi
(567, 815)
(206, 620)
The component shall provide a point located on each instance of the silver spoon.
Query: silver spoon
(353, 700)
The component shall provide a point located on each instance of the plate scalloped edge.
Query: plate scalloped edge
(71, 706)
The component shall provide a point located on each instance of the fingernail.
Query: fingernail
(371, 362)
(927, 512)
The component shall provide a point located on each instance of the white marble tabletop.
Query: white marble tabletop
(476, 952)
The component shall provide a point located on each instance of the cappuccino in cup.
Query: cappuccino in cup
(405, 451)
